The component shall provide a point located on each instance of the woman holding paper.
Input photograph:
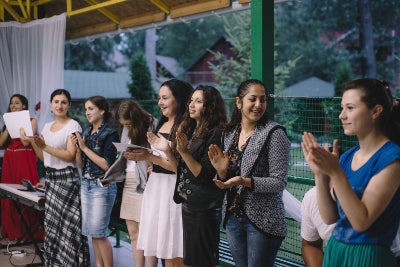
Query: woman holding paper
(96, 153)
(19, 162)
(64, 245)
(134, 132)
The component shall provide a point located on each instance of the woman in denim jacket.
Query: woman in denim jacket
(95, 155)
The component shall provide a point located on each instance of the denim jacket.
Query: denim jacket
(101, 144)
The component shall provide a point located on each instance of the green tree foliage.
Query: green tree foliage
(131, 43)
(140, 86)
(187, 41)
(95, 55)
(344, 74)
(326, 32)
(230, 72)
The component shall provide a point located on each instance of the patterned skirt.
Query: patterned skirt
(64, 243)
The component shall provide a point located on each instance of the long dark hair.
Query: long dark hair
(21, 98)
(243, 90)
(181, 91)
(102, 104)
(141, 121)
(24, 102)
(376, 92)
(213, 114)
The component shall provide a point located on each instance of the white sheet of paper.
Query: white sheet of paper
(123, 147)
(16, 120)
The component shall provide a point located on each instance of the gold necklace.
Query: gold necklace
(243, 140)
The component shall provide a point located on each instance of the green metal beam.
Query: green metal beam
(262, 44)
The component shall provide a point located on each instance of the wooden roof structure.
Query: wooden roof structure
(96, 17)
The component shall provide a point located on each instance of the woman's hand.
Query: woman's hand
(39, 141)
(39, 185)
(158, 141)
(137, 154)
(78, 140)
(219, 159)
(23, 136)
(320, 159)
(181, 142)
(237, 180)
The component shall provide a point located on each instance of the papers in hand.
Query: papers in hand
(16, 120)
(124, 147)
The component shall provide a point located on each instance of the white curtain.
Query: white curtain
(32, 62)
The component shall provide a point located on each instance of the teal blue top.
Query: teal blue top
(384, 229)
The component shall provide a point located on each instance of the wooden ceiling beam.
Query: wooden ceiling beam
(161, 5)
(91, 30)
(11, 11)
(71, 12)
(145, 19)
(22, 8)
(114, 18)
(203, 6)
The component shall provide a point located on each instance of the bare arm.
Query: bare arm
(312, 252)
(3, 137)
(34, 130)
(362, 213)
(67, 154)
(31, 140)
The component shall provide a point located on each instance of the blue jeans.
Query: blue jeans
(249, 246)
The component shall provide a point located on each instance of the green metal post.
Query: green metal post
(262, 44)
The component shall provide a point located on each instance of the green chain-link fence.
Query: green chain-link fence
(319, 116)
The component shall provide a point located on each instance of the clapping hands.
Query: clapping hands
(158, 141)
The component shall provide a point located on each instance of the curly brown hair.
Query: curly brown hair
(212, 115)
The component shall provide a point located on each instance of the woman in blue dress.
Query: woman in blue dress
(365, 180)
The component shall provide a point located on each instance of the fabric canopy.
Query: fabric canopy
(32, 63)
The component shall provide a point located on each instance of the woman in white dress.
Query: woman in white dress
(161, 233)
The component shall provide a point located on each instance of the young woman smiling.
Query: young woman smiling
(96, 153)
(253, 166)
(201, 199)
(19, 162)
(365, 180)
(160, 233)
(64, 244)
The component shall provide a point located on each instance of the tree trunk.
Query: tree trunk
(368, 67)
(150, 52)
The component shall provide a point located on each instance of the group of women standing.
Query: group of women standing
(173, 197)
(199, 158)
(193, 170)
